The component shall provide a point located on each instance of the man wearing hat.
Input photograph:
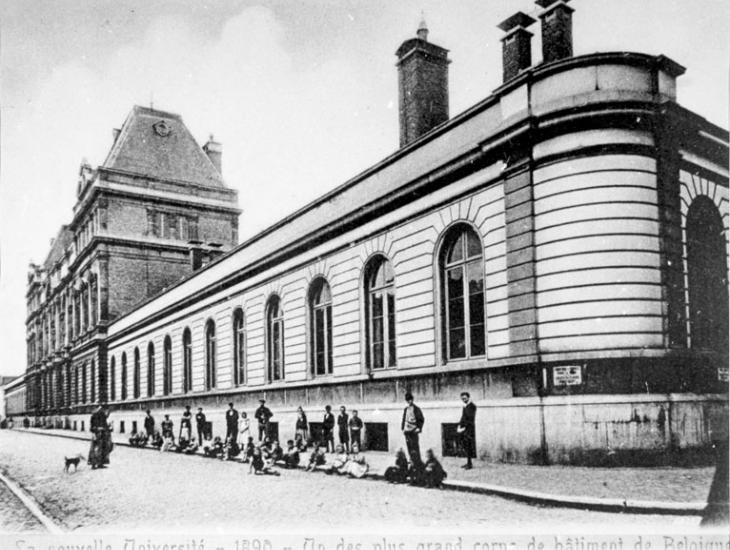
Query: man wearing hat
(231, 423)
(200, 424)
(149, 424)
(411, 425)
(263, 415)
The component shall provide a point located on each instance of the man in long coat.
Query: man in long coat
(467, 429)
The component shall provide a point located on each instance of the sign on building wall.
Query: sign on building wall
(569, 375)
(722, 374)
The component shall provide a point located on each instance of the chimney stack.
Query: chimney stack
(557, 30)
(423, 86)
(214, 150)
(516, 47)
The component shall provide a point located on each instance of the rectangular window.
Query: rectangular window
(121, 426)
(450, 440)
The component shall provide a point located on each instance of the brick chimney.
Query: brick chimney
(423, 86)
(557, 30)
(516, 47)
(214, 150)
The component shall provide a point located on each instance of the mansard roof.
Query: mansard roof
(157, 144)
(63, 240)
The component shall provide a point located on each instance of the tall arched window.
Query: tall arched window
(380, 313)
(707, 276)
(124, 376)
(112, 379)
(150, 369)
(320, 337)
(210, 354)
(83, 383)
(137, 374)
(167, 366)
(187, 360)
(239, 348)
(462, 301)
(275, 339)
(92, 376)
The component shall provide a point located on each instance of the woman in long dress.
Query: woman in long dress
(101, 441)
(301, 427)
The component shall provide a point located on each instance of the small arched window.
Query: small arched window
(137, 374)
(150, 369)
(275, 339)
(187, 360)
(320, 315)
(462, 296)
(210, 354)
(380, 313)
(112, 379)
(167, 366)
(124, 376)
(239, 348)
(707, 276)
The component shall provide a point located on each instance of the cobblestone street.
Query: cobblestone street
(146, 490)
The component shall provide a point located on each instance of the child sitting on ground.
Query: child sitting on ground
(356, 465)
(433, 472)
(291, 456)
(299, 443)
(191, 448)
(399, 472)
(277, 453)
(249, 450)
(339, 462)
(317, 460)
(157, 440)
(259, 465)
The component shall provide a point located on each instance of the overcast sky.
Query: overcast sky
(301, 94)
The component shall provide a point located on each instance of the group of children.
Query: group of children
(429, 473)
(352, 464)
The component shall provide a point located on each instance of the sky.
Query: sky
(301, 93)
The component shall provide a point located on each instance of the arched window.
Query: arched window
(112, 379)
(187, 360)
(92, 376)
(167, 366)
(707, 276)
(462, 294)
(137, 374)
(210, 354)
(320, 337)
(239, 348)
(83, 383)
(124, 376)
(275, 339)
(380, 313)
(150, 369)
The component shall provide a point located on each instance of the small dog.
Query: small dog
(74, 460)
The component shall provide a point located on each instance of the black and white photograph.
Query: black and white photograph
(364, 275)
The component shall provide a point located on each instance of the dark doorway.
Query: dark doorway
(376, 436)
(450, 440)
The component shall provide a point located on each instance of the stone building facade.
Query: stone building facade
(559, 250)
(153, 209)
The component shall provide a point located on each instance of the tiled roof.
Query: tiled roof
(157, 144)
(62, 241)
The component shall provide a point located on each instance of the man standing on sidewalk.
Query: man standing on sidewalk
(263, 415)
(328, 426)
(467, 429)
(149, 424)
(355, 429)
(411, 425)
(342, 421)
(231, 424)
(200, 424)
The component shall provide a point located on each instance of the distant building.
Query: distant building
(154, 211)
(559, 250)
(12, 396)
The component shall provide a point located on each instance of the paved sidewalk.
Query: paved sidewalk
(669, 490)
